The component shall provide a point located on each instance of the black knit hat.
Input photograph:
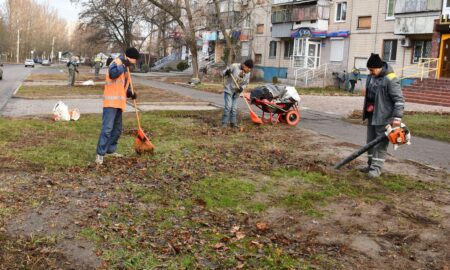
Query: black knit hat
(249, 63)
(132, 53)
(374, 61)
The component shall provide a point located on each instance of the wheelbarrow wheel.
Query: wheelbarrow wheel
(292, 118)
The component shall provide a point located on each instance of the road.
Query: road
(13, 75)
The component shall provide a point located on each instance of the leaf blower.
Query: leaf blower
(397, 136)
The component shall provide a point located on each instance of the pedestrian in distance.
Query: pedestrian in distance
(117, 90)
(72, 67)
(383, 105)
(109, 61)
(353, 78)
(240, 73)
(97, 66)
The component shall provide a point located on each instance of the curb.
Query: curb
(59, 97)
(17, 90)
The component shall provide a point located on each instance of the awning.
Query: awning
(305, 32)
(339, 34)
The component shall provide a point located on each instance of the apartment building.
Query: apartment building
(307, 34)
(291, 37)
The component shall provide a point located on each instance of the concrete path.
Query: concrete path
(314, 117)
(13, 75)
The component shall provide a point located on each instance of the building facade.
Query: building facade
(307, 34)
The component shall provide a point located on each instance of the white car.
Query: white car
(29, 62)
(45, 62)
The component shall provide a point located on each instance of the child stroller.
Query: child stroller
(278, 101)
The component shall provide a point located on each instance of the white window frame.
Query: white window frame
(340, 15)
(422, 49)
(393, 42)
(337, 54)
(388, 18)
(274, 51)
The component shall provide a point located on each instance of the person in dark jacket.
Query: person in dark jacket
(383, 104)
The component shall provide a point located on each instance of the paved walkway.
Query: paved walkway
(314, 117)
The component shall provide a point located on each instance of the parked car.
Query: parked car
(46, 62)
(1, 72)
(37, 60)
(29, 62)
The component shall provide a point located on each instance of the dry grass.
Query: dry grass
(145, 93)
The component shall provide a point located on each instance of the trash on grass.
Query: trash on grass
(61, 112)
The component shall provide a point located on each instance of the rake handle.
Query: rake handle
(237, 85)
(134, 100)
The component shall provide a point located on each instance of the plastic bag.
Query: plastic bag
(61, 112)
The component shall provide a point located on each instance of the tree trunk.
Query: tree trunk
(227, 37)
(192, 43)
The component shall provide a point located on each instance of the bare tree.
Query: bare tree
(31, 29)
(115, 21)
(182, 14)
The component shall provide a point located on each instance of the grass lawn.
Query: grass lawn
(209, 198)
(423, 124)
(327, 91)
(145, 94)
(63, 76)
(28, 91)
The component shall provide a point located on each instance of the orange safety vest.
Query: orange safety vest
(115, 94)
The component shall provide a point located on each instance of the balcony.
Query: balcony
(416, 17)
(287, 2)
(282, 16)
(295, 14)
(408, 6)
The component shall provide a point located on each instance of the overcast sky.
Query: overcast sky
(66, 10)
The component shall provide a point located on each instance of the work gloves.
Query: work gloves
(239, 90)
(126, 62)
(131, 94)
(396, 122)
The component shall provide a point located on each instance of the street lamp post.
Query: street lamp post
(18, 45)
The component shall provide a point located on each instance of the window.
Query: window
(390, 8)
(341, 11)
(448, 3)
(337, 50)
(422, 49)
(245, 48)
(288, 48)
(272, 49)
(260, 29)
(364, 22)
(258, 58)
(390, 50)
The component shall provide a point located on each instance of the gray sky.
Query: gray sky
(65, 9)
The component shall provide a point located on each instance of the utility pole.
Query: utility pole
(18, 45)
(53, 46)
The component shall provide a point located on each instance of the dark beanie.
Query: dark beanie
(132, 53)
(249, 63)
(374, 61)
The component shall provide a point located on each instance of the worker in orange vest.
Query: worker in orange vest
(117, 89)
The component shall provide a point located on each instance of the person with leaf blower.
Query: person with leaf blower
(117, 90)
(383, 105)
(241, 73)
